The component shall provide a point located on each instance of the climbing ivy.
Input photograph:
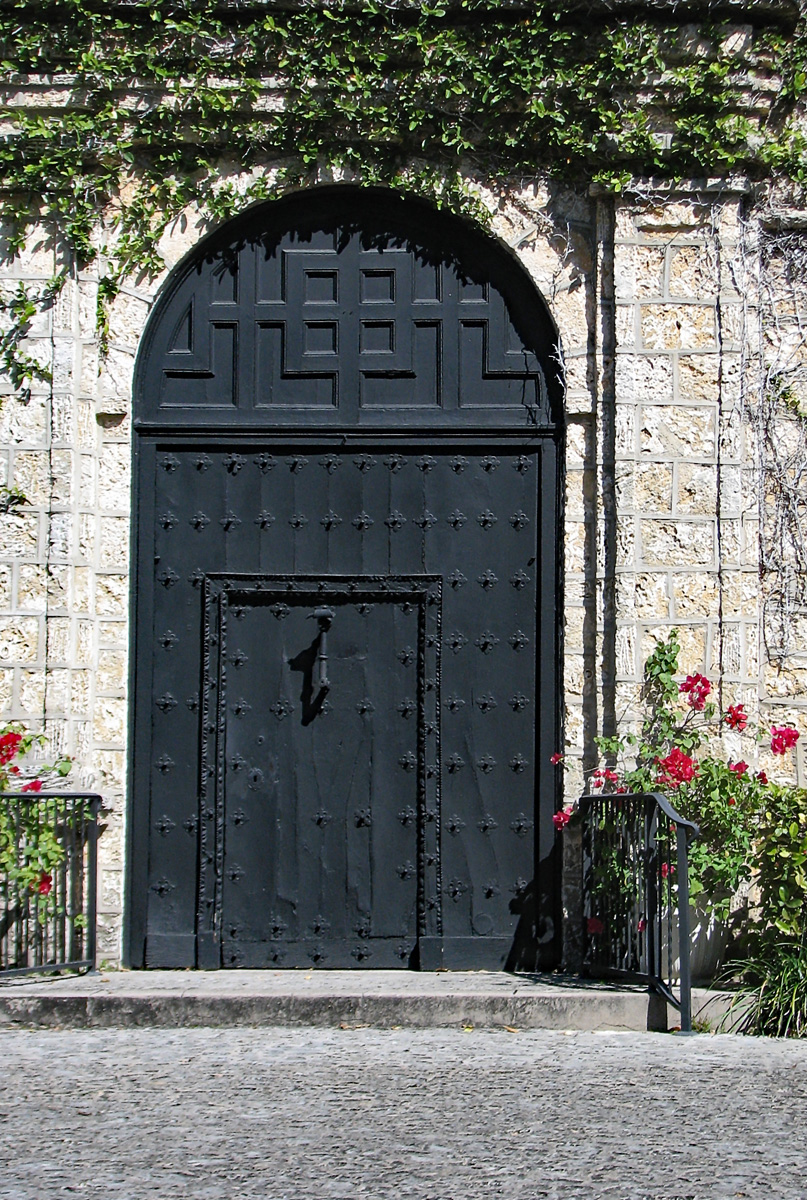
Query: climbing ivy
(159, 104)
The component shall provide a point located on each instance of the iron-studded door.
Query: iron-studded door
(324, 694)
(346, 628)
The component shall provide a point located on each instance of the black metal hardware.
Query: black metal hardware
(636, 893)
(324, 618)
(48, 903)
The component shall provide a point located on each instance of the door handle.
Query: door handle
(324, 618)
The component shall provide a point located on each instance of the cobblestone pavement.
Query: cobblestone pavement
(330, 1114)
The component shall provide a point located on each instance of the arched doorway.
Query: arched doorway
(346, 609)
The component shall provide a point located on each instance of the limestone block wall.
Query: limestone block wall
(657, 301)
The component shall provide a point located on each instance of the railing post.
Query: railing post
(685, 979)
(92, 881)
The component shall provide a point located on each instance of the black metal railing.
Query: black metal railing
(636, 893)
(47, 881)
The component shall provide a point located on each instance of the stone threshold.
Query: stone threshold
(347, 999)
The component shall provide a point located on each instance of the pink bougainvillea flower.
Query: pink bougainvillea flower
(9, 745)
(556, 758)
(783, 737)
(739, 768)
(666, 869)
(736, 717)
(621, 790)
(642, 925)
(610, 776)
(13, 769)
(732, 801)
(561, 819)
(762, 777)
(45, 885)
(594, 925)
(35, 785)
(696, 688)
(675, 768)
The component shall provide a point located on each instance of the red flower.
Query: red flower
(34, 786)
(45, 885)
(594, 925)
(762, 777)
(561, 819)
(9, 745)
(697, 688)
(556, 758)
(14, 769)
(676, 768)
(736, 717)
(738, 768)
(782, 738)
(642, 925)
(732, 801)
(666, 869)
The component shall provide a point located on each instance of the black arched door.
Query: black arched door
(346, 684)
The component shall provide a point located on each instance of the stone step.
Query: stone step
(381, 999)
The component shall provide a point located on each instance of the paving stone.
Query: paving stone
(315, 1114)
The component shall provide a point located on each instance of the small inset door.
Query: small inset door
(320, 806)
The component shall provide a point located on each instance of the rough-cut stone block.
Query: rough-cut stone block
(19, 535)
(30, 472)
(60, 640)
(114, 550)
(697, 489)
(109, 721)
(677, 543)
(682, 326)
(57, 691)
(111, 594)
(638, 272)
(651, 599)
(695, 594)
(61, 466)
(19, 639)
(63, 419)
(114, 478)
(654, 487)
(32, 587)
(111, 672)
(676, 431)
(31, 696)
(625, 649)
(112, 633)
(647, 377)
(693, 272)
(6, 690)
(24, 424)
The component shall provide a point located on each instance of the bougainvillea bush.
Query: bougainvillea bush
(30, 847)
(753, 830)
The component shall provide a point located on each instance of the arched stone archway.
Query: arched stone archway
(347, 409)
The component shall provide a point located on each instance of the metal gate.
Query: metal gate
(345, 663)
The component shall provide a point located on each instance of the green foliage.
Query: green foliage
(676, 754)
(772, 1000)
(782, 863)
(167, 97)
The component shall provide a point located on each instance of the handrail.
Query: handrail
(632, 888)
(49, 925)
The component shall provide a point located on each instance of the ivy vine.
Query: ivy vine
(156, 103)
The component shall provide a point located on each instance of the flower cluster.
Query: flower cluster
(561, 819)
(783, 738)
(696, 688)
(675, 768)
(736, 717)
(9, 745)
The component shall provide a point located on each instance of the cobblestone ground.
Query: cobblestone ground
(416, 1115)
